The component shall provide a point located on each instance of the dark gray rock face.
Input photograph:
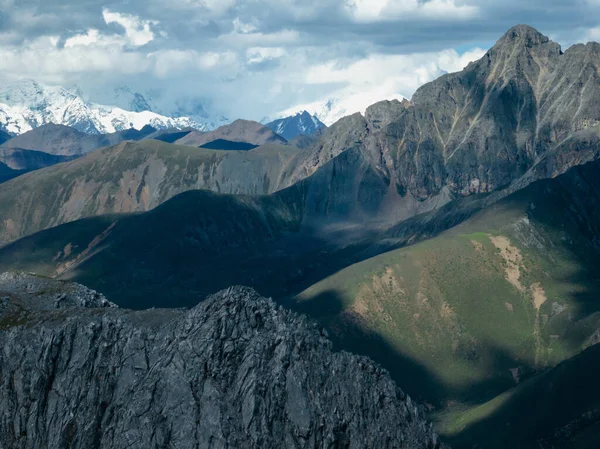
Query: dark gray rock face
(40, 293)
(236, 371)
(524, 111)
(480, 129)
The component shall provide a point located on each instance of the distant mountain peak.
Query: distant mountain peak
(301, 123)
(239, 130)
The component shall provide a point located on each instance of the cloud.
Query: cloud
(138, 31)
(592, 34)
(94, 51)
(257, 55)
(91, 37)
(252, 58)
(377, 77)
(390, 10)
(243, 28)
(170, 62)
(215, 7)
(409, 71)
(253, 39)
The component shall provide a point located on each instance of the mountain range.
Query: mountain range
(335, 107)
(67, 141)
(238, 131)
(196, 109)
(27, 104)
(51, 144)
(452, 238)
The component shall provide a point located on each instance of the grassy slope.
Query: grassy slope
(559, 408)
(452, 320)
(130, 177)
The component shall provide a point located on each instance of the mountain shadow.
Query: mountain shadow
(223, 144)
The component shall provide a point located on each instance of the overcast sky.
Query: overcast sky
(255, 58)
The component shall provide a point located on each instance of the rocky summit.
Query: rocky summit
(236, 371)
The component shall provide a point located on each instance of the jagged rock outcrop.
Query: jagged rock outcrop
(28, 292)
(480, 129)
(235, 371)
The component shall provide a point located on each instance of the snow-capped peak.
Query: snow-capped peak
(344, 103)
(28, 104)
(299, 123)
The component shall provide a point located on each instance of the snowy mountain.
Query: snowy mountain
(302, 123)
(196, 108)
(126, 99)
(27, 104)
(340, 105)
(189, 107)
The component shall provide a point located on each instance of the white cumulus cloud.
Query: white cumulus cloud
(377, 77)
(138, 31)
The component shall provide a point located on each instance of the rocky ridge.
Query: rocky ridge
(67, 141)
(234, 371)
(524, 111)
(133, 177)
